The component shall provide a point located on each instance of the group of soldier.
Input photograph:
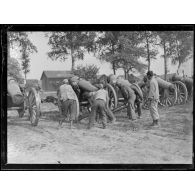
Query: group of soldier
(99, 101)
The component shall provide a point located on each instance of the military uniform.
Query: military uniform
(68, 100)
(153, 97)
(138, 100)
(129, 96)
(99, 105)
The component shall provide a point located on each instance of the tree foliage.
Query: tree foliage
(88, 72)
(13, 69)
(150, 40)
(107, 46)
(21, 39)
(70, 43)
(164, 42)
(122, 50)
(177, 45)
(181, 44)
(26, 47)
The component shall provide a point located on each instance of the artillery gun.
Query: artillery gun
(120, 101)
(173, 91)
(184, 87)
(82, 88)
(18, 99)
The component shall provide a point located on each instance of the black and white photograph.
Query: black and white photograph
(104, 97)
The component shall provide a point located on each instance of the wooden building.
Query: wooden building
(51, 79)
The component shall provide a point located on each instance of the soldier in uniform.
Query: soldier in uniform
(153, 97)
(99, 106)
(67, 98)
(129, 96)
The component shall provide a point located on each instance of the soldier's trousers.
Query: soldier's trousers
(139, 107)
(110, 114)
(131, 107)
(154, 109)
(69, 106)
(99, 106)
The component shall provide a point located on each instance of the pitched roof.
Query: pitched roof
(56, 74)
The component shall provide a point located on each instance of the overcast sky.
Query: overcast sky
(40, 61)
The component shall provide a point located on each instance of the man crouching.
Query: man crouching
(68, 102)
(99, 105)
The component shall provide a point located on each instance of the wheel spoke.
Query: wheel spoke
(178, 100)
(181, 99)
(169, 102)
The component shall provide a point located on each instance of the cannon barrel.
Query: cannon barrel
(14, 92)
(188, 80)
(87, 86)
(176, 77)
(163, 84)
(83, 84)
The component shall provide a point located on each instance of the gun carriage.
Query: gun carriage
(18, 98)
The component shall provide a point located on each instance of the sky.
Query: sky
(40, 61)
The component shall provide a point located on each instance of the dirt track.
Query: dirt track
(170, 143)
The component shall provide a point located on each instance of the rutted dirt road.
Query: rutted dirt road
(169, 143)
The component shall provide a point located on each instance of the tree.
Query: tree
(13, 69)
(21, 40)
(122, 49)
(150, 42)
(165, 39)
(107, 46)
(88, 72)
(181, 44)
(70, 43)
(129, 52)
(26, 47)
(25, 62)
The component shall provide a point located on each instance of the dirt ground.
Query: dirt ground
(119, 143)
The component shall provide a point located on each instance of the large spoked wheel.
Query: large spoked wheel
(190, 91)
(112, 96)
(182, 92)
(190, 94)
(168, 97)
(34, 102)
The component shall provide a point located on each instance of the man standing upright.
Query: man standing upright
(153, 97)
(68, 102)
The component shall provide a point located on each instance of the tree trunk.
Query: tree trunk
(178, 57)
(178, 67)
(72, 59)
(165, 59)
(148, 52)
(113, 67)
(125, 73)
(113, 64)
(25, 75)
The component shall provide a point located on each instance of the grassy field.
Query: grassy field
(119, 143)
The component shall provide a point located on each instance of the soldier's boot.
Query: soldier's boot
(139, 117)
(60, 122)
(155, 123)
